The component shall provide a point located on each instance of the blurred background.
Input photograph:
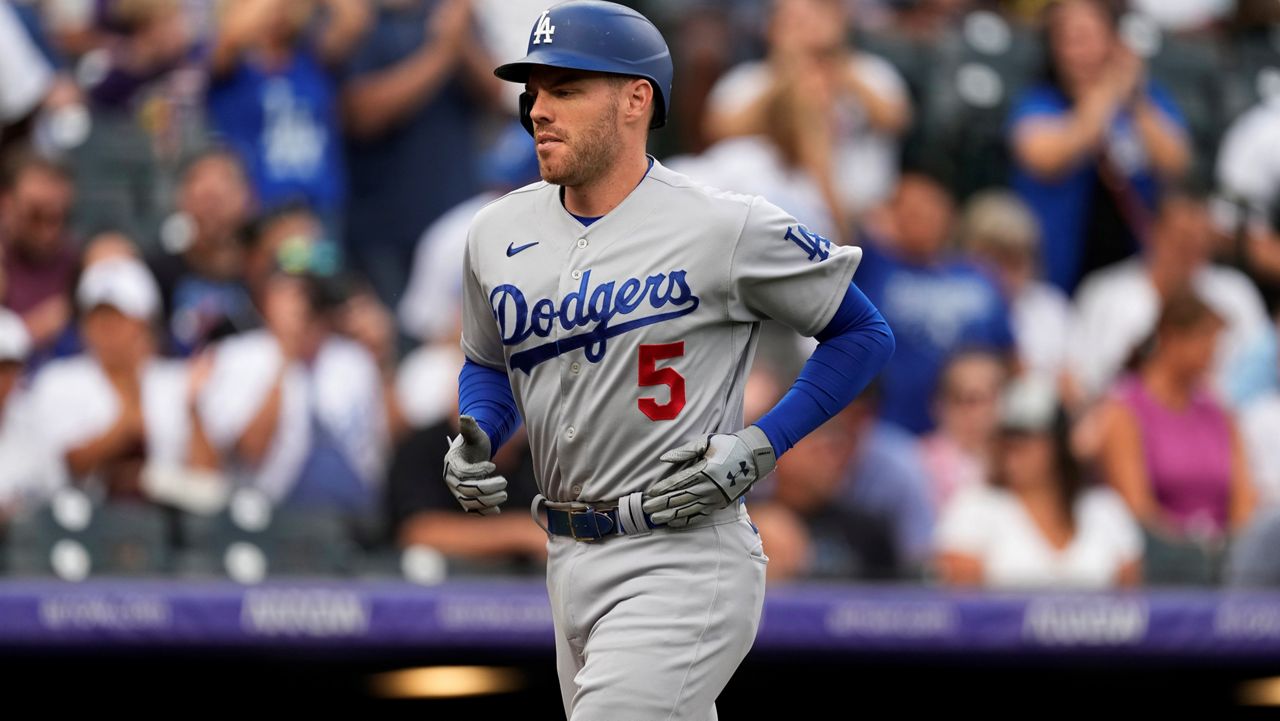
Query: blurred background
(230, 254)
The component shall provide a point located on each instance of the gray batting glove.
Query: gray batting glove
(470, 474)
(719, 468)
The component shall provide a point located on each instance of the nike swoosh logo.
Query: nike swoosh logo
(511, 250)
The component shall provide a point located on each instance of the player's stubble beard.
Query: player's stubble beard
(589, 154)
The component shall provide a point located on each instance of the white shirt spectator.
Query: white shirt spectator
(866, 159)
(991, 524)
(431, 307)
(30, 472)
(25, 77)
(342, 388)
(1249, 157)
(427, 384)
(73, 402)
(1117, 308)
(752, 165)
(1184, 15)
(1041, 317)
(1260, 429)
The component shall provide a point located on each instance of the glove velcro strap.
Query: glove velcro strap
(631, 515)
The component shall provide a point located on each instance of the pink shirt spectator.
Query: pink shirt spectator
(1188, 456)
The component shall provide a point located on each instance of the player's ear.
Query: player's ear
(638, 101)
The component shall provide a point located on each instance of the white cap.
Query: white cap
(1029, 403)
(15, 342)
(122, 283)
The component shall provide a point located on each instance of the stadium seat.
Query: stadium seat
(111, 540)
(291, 543)
(976, 74)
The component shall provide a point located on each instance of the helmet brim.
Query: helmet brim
(518, 71)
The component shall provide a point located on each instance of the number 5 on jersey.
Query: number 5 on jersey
(651, 375)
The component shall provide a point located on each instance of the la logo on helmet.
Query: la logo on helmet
(545, 30)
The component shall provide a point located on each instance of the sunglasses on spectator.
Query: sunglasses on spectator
(307, 255)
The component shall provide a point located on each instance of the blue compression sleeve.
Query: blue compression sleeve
(485, 394)
(851, 350)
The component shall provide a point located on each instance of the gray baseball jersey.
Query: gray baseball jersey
(628, 337)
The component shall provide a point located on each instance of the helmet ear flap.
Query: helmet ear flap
(526, 110)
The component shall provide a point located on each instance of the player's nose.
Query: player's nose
(540, 111)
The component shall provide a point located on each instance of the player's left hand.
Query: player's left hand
(711, 473)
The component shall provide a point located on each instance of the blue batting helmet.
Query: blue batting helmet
(599, 36)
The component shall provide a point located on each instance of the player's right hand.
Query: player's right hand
(470, 475)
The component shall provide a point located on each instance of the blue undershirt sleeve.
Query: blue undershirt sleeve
(484, 393)
(851, 350)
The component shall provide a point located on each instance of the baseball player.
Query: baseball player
(615, 308)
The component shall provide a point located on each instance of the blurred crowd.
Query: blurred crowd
(231, 235)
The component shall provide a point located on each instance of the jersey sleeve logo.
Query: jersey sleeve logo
(815, 246)
(544, 30)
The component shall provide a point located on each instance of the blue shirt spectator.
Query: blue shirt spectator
(273, 97)
(1066, 204)
(284, 123)
(1089, 144)
(411, 124)
(935, 305)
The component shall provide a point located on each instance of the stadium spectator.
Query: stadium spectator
(200, 264)
(40, 260)
(1036, 524)
(1092, 142)
(1249, 179)
(789, 160)
(936, 302)
(118, 405)
(957, 455)
(834, 540)
(295, 408)
(123, 51)
(431, 306)
(25, 75)
(273, 97)
(809, 52)
(1173, 451)
(291, 238)
(999, 230)
(415, 89)
(1117, 306)
(430, 311)
(424, 513)
(884, 476)
(29, 474)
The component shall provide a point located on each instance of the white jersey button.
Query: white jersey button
(576, 274)
(575, 368)
(582, 242)
(570, 432)
(577, 489)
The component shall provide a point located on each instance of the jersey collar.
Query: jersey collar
(653, 163)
